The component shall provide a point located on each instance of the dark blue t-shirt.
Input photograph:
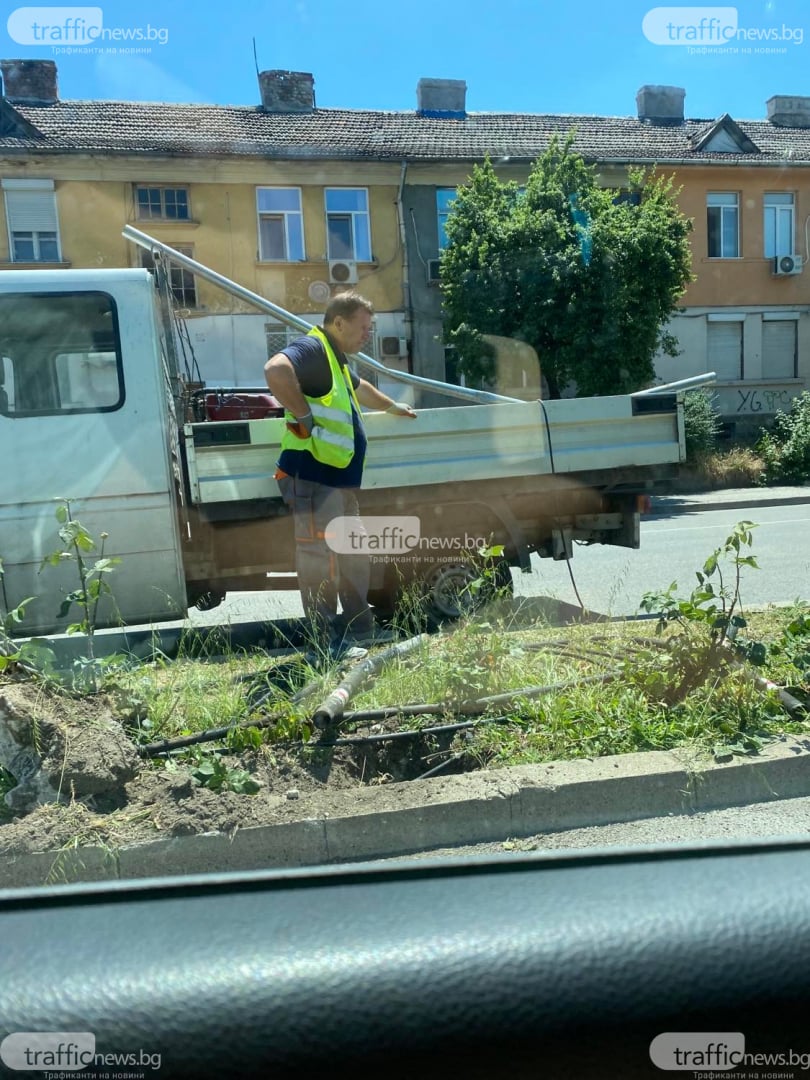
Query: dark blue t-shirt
(308, 358)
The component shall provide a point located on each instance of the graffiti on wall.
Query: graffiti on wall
(762, 401)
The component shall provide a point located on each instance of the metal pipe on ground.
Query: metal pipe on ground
(330, 710)
(791, 705)
(473, 708)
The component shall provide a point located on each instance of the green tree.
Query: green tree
(588, 282)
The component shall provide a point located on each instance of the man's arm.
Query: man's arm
(283, 385)
(373, 398)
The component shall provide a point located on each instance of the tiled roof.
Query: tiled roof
(127, 127)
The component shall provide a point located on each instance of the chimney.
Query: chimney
(287, 91)
(785, 111)
(445, 98)
(660, 104)
(30, 81)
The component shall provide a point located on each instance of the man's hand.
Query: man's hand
(303, 426)
(401, 408)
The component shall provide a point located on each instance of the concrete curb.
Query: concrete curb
(445, 812)
(687, 504)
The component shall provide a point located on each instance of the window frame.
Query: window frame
(26, 414)
(777, 208)
(162, 189)
(285, 216)
(777, 317)
(723, 208)
(723, 319)
(352, 214)
(184, 249)
(10, 185)
(442, 216)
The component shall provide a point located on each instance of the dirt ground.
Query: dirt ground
(133, 800)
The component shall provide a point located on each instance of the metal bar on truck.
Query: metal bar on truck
(149, 242)
(681, 384)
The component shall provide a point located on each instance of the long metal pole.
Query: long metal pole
(681, 384)
(149, 242)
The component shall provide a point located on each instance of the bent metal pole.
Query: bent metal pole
(466, 392)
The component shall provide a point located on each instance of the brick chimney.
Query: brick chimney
(31, 81)
(287, 91)
(785, 111)
(660, 104)
(445, 98)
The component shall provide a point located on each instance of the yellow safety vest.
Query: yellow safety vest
(332, 438)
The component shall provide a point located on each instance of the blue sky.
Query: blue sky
(588, 56)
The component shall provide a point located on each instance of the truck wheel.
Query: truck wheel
(440, 593)
(209, 600)
(449, 593)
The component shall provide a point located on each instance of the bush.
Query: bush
(785, 449)
(701, 423)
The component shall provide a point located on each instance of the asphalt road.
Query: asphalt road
(780, 818)
(612, 581)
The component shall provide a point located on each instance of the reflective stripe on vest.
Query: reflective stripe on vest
(332, 438)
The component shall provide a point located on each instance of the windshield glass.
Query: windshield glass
(404, 418)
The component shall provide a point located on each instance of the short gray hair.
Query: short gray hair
(344, 305)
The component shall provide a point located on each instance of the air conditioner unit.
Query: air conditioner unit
(433, 272)
(392, 346)
(787, 264)
(342, 272)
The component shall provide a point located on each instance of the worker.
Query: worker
(320, 467)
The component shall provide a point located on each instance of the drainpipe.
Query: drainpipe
(406, 285)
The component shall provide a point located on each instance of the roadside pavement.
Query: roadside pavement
(496, 806)
(728, 499)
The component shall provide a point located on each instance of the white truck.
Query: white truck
(93, 409)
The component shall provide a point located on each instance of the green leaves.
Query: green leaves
(215, 775)
(708, 604)
(78, 543)
(786, 447)
(587, 284)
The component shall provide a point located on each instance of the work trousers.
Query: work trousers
(326, 576)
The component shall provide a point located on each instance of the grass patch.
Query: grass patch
(676, 689)
(627, 715)
(737, 466)
(167, 699)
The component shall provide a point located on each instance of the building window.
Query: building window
(780, 348)
(444, 200)
(183, 285)
(722, 210)
(167, 203)
(348, 229)
(624, 196)
(725, 349)
(278, 336)
(33, 227)
(281, 224)
(778, 206)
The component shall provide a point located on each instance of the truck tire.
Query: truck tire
(448, 588)
(441, 593)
